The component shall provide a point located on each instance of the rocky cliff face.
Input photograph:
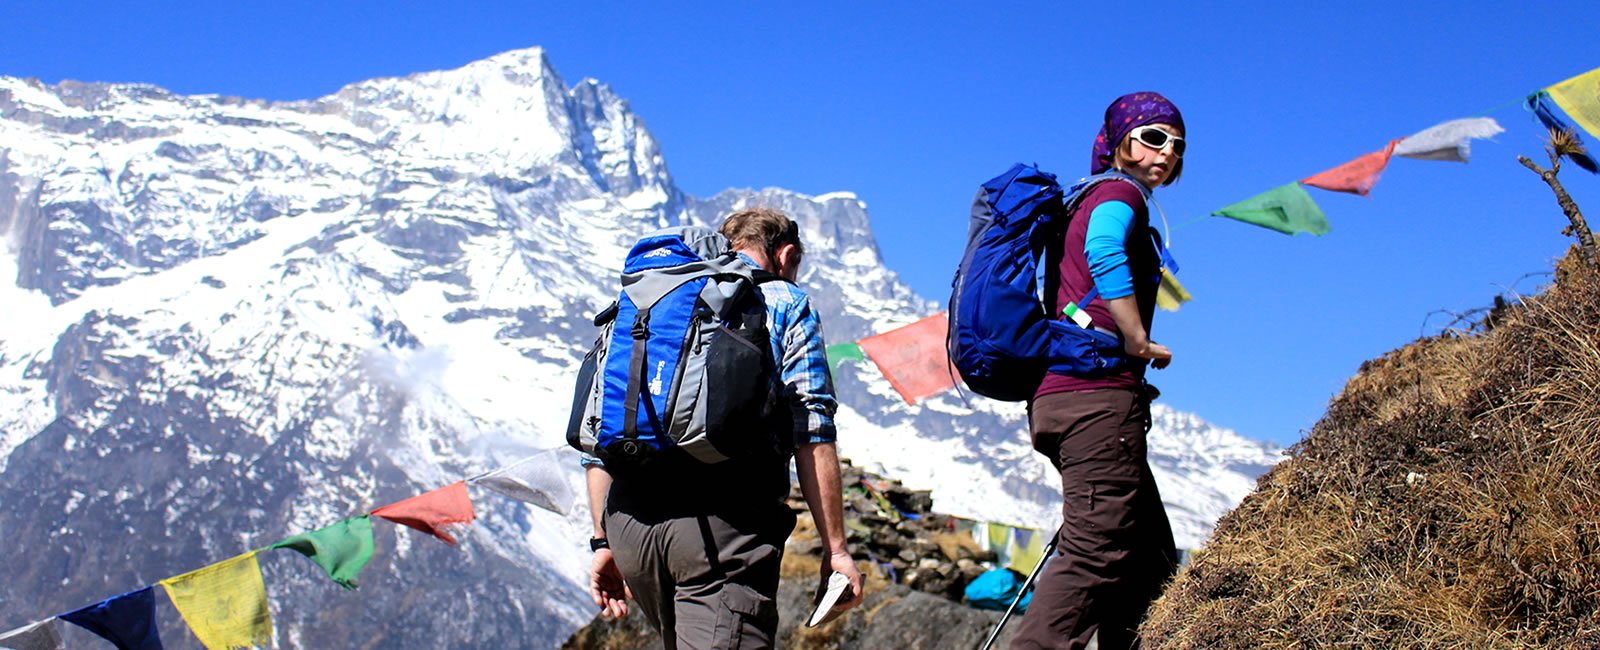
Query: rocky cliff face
(231, 320)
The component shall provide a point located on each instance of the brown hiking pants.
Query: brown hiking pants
(704, 580)
(1115, 549)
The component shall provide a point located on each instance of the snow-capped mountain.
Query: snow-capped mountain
(228, 321)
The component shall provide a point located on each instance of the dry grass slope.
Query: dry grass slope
(1450, 498)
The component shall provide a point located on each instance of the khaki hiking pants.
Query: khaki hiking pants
(705, 581)
(1115, 549)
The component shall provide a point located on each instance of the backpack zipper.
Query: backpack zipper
(702, 315)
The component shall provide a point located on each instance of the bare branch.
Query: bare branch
(1562, 144)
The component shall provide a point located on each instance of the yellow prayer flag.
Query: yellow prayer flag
(1171, 294)
(1027, 548)
(1580, 98)
(999, 538)
(225, 604)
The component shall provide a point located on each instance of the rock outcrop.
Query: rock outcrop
(915, 568)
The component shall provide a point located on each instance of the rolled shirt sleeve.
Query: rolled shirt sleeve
(1105, 246)
(807, 380)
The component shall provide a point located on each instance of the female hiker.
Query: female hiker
(1115, 549)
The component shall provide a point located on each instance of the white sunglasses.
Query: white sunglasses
(1155, 138)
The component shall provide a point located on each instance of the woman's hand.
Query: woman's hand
(1135, 338)
(1158, 354)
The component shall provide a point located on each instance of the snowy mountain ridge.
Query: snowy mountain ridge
(235, 320)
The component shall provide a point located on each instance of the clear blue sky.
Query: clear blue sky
(911, 105)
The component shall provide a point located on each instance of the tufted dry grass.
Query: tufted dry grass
(1449, 498)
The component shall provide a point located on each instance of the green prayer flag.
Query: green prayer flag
(1287, 209)
(841, 352)
(341, 549)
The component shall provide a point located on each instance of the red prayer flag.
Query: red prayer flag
(913, 358)
(431, 512)
(1357, 176)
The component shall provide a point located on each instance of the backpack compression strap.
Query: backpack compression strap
(636, 370)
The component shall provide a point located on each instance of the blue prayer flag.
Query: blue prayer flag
(1541, 109)
(128, 621)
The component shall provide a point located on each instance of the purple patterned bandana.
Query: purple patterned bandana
(1127, 113)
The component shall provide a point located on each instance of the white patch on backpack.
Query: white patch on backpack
(655, 383)
(659, 252)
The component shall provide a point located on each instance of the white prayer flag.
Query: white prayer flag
(33, 636)
(539, 479)
(1450, 141)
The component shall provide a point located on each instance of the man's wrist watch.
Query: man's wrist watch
(597, 543)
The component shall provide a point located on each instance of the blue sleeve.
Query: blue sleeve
(1105, 246)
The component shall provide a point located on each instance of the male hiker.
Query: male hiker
(697, 545)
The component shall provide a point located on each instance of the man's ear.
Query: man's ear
(786, 257)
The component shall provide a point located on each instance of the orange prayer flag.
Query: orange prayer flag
(913, 358)
(1357, 176)
(431, 512)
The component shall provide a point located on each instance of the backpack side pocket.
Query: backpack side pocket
(583, 425)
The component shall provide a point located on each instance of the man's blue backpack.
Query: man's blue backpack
(683, 364)
(1003, 337)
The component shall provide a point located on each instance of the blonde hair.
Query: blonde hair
(763, 229)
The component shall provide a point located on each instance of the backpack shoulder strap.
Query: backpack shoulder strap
(1075, 310)
(1080, 189)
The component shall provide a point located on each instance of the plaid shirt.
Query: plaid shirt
(795, 332)
(801, 351)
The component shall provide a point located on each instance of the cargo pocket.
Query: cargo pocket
(1133, 434)
(746, 619)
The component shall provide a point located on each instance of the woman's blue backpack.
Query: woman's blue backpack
(1003, 337)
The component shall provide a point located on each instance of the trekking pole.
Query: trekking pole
(1049, 550)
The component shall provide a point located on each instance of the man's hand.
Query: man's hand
(817, 466)
(841, 562)
(606, 586)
